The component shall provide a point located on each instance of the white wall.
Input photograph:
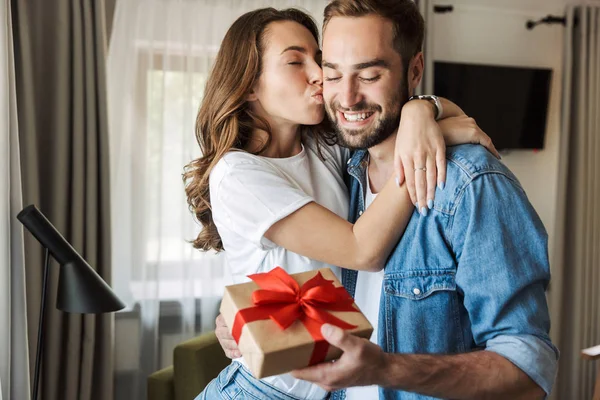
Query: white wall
(493, 32)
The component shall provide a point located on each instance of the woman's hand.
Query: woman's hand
(225, 339)
(420, 156)
(463, 129)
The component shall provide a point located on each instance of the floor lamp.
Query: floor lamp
(80, 288)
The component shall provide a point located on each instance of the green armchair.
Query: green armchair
(195, 363)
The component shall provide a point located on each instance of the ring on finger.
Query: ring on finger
(421, 169)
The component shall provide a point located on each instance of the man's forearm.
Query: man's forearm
(476, 375)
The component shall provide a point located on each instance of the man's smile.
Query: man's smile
(355, 119)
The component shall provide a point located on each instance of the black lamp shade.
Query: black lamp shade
(47, 235)
(82, 290)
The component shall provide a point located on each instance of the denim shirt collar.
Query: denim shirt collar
(357, 157)
(357, 168)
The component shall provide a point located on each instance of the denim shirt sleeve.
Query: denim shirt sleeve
(503, 271)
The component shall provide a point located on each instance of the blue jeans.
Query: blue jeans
(235, 382)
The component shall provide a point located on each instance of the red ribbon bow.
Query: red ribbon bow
(284, 301)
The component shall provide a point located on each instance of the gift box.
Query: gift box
(276, 319)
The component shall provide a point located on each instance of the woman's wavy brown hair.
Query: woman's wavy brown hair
(224, 121)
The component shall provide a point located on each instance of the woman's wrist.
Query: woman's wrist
(421, 108)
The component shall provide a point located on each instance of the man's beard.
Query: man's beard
(380, 130)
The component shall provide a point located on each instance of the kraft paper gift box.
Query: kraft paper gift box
(276, 319)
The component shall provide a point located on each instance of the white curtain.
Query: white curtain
(159, 57)
(14, 366)
(575, 287)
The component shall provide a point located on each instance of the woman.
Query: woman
(269, 187)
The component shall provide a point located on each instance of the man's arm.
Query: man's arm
(476, 375)
(501, 248)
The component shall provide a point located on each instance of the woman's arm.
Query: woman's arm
(315, 232)
(463, 129)
(449, 109)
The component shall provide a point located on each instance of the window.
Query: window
(168, 267)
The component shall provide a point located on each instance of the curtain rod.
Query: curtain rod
(549, 19)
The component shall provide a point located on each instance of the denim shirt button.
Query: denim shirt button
(360, 212)
(416, 291)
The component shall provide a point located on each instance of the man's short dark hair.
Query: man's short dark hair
(409, 26)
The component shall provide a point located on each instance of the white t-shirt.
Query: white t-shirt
(367, 297)
(251, 193)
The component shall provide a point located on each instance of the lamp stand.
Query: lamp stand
(40, 342)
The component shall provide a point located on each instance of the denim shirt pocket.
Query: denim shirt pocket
(421, 312)
(419, 284)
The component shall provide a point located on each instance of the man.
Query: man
(461, 312)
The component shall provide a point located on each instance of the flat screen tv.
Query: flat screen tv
(509, 103)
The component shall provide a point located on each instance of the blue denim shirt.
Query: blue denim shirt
(470, 275)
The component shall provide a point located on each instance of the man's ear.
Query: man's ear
(415, 71)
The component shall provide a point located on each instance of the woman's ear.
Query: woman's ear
(252, 96)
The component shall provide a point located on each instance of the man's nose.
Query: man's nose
(350, 95)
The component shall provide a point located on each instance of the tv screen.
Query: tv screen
(510, 104)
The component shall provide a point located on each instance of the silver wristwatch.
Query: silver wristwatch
(433, 99)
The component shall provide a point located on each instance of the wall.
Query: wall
(493, 32)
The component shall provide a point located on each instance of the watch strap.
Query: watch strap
(433, 100)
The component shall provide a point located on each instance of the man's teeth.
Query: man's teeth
(357, 117)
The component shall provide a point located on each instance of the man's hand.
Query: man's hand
(361, 364)
(225, 339)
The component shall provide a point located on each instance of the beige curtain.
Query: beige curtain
(14, 368)
(60, 49)
(575, 290)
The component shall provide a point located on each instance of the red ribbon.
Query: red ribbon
(284, 301)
